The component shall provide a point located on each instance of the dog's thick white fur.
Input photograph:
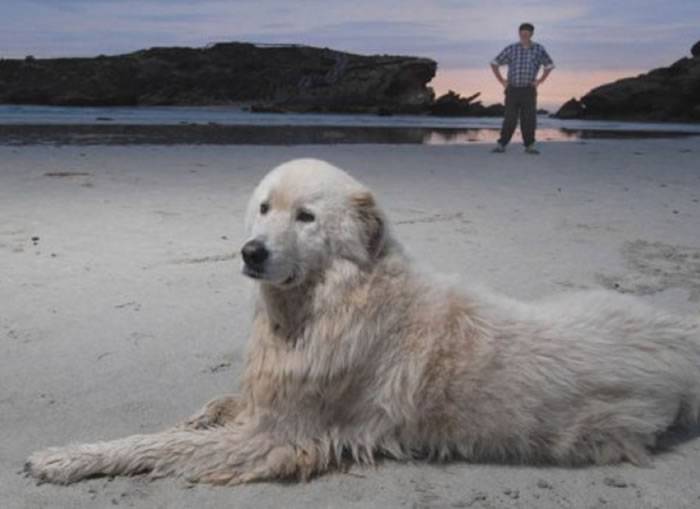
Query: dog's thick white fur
(355, 354)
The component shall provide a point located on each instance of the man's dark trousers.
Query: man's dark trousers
(520, 102)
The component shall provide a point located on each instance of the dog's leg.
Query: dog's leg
(217, 412)
(131, 455)
(224, 455)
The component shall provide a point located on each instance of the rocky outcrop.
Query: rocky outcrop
(572, 108)
(452, 104)
(695, 50)
(289, 77)
(665, 94)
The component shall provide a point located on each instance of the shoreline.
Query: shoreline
(241, 134)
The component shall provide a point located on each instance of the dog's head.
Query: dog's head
(304, 214)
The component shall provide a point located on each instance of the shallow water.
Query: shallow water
(433, 130)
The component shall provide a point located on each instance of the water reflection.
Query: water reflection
(464, 136)
(219, 134)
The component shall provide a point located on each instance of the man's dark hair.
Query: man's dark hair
(527, 26)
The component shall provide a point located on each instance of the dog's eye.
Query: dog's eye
(305, 216)
(264, 207)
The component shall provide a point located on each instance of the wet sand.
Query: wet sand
(221, 134)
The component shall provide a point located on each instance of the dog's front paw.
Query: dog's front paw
(218, 412)
(58, 465)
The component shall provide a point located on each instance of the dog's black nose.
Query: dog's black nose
(254, 253)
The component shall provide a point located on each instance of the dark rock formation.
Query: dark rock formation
(452, 104)
(695, 50)
(492, 110)
(665, 94)
(298, 78)
(571, 109)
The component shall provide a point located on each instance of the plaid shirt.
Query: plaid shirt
(523, 63)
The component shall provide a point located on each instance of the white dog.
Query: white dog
(354, 354)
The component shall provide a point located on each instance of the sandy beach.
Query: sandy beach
(123, 309)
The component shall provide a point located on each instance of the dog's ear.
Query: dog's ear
(371, 222)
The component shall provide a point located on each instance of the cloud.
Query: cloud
(462, 35)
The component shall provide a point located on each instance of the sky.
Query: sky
(591, 41)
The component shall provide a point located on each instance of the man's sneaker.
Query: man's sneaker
(530, 149)
(499, 149)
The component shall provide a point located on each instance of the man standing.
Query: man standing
(524, 60)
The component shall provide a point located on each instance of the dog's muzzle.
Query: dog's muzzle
(254, 255)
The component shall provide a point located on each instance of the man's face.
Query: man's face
(525, 36)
